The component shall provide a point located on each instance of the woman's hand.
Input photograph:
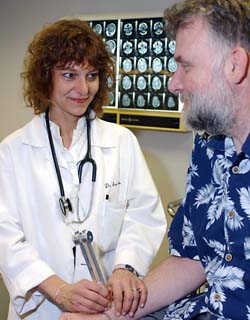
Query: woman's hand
(84, 296)
(129, 292)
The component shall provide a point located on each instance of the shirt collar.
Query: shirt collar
(78, 133)
(218, 142)
(246, 146)
(223, 143)
(102, 134)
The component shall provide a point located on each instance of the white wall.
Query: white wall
(166, 153)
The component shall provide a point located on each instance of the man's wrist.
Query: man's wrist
(127, 267)
(107, 316)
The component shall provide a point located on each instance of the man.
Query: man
(210, 234)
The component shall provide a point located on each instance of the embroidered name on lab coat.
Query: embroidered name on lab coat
(113, 184)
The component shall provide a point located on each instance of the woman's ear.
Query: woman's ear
(236, 65)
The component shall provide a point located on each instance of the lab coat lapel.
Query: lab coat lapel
(36, 136)
(101, 153)
(104, 145)
(109, 142)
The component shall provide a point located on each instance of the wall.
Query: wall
(167, 154)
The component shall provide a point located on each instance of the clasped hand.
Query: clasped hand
(124, 290)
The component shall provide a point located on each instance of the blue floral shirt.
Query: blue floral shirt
(213, 225)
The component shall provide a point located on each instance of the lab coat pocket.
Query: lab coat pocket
(111, 224)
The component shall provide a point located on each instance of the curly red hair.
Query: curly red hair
(60, 44)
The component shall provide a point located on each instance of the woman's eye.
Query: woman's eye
(68, 75)
(93, 75)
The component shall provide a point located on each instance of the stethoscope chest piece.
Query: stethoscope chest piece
(65, 205)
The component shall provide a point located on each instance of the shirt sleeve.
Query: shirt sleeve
(181, 236)
(20, 265)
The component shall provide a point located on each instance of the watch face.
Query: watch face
(142, 65)
(156, 83)
(171, 46)
(141, 83)
(128, 29)
(110, 29)
(127, 47)
(140, 101)
(126, 101)
(158, 28)
(111, 46)
(157, 65)
(98, 28)
(126, 83)
(127, 65)
(142, 47)
(156, 102)
(143, 28)
(172, 65)
(158, 47)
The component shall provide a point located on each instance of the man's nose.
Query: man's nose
(175, 84)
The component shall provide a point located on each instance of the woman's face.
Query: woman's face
(74, 88)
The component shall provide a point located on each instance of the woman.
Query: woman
(48, 194)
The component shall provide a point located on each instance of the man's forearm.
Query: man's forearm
(171, 280)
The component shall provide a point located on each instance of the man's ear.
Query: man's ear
(236, 65)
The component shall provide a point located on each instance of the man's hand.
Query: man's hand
(71, 316)
(129, 292)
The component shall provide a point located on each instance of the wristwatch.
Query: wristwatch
(126, 267)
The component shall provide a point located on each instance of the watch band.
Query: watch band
(127, 267)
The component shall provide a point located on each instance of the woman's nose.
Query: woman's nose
(82, 86)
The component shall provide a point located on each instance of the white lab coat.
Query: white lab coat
(36, 243)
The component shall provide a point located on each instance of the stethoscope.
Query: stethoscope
(65, 203)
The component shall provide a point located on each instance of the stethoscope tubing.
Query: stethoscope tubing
(65, 203)
(52, 148)
(88, 157)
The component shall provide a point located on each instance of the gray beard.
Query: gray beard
(212, 111)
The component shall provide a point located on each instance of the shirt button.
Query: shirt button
(228, 257)
(231, 214)
(235, 169)
(217, 297)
